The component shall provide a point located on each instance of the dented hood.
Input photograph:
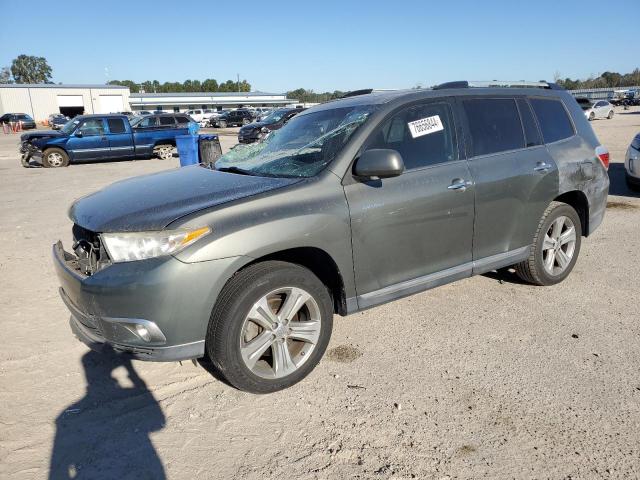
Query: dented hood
(152, 202)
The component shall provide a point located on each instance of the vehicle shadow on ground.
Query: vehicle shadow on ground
(105, 434)
(505, 275)
(617, 182)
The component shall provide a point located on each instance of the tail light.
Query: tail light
(603, 154)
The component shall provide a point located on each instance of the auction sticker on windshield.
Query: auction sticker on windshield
(425, 126)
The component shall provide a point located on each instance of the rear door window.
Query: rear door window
(423, 134)
(116, 125)
(553, 119)
(182, 120)
(531, 133)
(494, 125)
(166, 121)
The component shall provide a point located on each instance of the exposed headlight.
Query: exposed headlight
(127, 247)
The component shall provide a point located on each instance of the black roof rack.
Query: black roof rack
(355, 93)
(498, 84)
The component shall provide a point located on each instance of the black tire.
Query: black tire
(222, 124)
(162, 151)
(592, 117)
(48, 158)
(610, 116)
(532, 270)
(233, 305)
(245, 121)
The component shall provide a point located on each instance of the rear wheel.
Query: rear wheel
(555, 248)
(270, 326)
(222, 124)
(592, 116)
(631, 183)
(54, 158)
(245, 121)
(163, 152)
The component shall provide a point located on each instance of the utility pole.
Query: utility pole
(238, 84)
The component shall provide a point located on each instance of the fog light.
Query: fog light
(142, 331)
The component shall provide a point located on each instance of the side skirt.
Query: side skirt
(427, 282)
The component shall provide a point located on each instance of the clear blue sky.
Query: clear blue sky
(322, 45)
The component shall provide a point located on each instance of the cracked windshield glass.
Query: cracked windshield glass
(302, 148)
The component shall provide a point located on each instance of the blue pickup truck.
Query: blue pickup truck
(105, 137)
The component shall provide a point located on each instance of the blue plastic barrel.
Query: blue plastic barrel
(187, 149)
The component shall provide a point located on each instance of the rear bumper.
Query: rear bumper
(171, 299)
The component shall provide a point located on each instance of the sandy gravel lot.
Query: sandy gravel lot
(486, 377)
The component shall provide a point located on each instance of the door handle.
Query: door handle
(542, 167)
(458, 184)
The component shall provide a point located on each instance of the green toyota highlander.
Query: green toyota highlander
(352, 204)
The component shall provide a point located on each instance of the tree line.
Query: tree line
(309, 96)
(208, 85)
(604, 80)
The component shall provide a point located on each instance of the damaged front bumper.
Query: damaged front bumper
(29, 151)
(156, 309)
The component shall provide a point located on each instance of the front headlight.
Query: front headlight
(127, 247)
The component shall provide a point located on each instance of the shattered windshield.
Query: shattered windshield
(302, 148)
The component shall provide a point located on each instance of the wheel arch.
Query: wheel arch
(320, 263)
(579, 202)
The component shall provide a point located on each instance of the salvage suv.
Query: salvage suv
(352, 204)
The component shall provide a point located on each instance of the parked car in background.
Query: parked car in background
(632, 164)
(143, 112)
(255, 131)
(354, 203)
(599, 109)
(232, 118)
(198, 114)
(23, 119)
(57, 121)
(105, 137)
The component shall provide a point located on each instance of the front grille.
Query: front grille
(91, 253)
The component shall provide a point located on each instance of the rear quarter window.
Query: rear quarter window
(494, 125)
(553, 119)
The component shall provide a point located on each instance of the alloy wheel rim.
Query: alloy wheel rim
(280, 332)
(559, 246)
(55, 159)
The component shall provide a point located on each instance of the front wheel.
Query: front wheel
(592, 116)
(555, 248)
(222, 124)
(610, 116)
(55, 157)
(270, 326)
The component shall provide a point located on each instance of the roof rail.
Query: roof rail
(355, 93)
(498, 84)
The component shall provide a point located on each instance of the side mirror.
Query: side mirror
(379, 163)
(78, 133)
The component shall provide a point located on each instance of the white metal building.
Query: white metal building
(41, 100)
(183, 101)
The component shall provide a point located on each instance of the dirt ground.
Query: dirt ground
(486, 377)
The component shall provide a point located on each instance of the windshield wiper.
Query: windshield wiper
(238, 170)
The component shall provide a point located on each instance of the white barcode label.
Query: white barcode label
(425, 126)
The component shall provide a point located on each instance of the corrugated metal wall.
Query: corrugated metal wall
(42, 102)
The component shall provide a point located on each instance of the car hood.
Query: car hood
(41, 134)
(152, 202)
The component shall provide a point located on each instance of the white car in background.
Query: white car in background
(599, 109)
(632, 164)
